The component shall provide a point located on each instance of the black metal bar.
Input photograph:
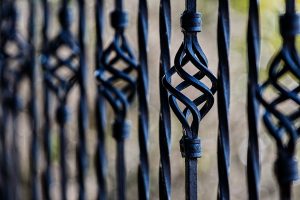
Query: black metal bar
(143, 92)
(34, 122)
(253, 44)
(83, 122)
(195, 109)
(164, 117)
(100, 112)
(223, 100)
(284, 123)
(47, 121)
(118, 65)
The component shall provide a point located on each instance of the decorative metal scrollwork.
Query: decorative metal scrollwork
(117, 82)
(164, 117)
(63, 63)
(253, 44)
(223, 100)
(17, 62)
(190, 111)
(281, 115)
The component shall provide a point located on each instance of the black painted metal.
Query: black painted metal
(47, 122)
(253, 42)
(101, 160)
(61, 74)
(118, 65)
(282, 124)
(164, 118)
(143, 95)
(223, 100)
(120, 76)
(33, 104)
(190, 52)
(14, 68)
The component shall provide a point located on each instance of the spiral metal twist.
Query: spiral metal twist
(117, 79)
(194, 110)
(253, 42)
(164, 117)
(281, 115)
(15, 66)
(63, 63)
(143, 92)
(101, 160)
(223, 100)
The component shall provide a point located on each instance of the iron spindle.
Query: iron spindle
(64, 65)
(282, 124)
(223, 100)
(194, 109)
(164, 117)
(34, 122)
(101, 160)
(117, 78)
(15, 67)
(47, 121)
(82, 159)
(143, 92)
(253, 44)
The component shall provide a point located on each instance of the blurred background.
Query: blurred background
(208, 176)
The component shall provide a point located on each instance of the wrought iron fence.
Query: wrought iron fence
(40, 69)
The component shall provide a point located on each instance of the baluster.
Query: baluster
(164, 118)
(223, 100)
(194, 109)
(15, 67)
(253, 44)
(101, 159)
(281, 114)
(61, 73)
(47, 121)
(34, 122)
(143, 92)
(117, 79)
(82, 159)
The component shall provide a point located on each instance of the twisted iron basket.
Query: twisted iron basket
(192, 110)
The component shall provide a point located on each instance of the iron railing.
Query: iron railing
(57, 58)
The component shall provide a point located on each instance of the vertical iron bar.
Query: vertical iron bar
(143, 94)
(253, 44)
(223, 100)
(34, 151)
(164, 117)
(82, 159)
(100, 112)
(47, 122)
